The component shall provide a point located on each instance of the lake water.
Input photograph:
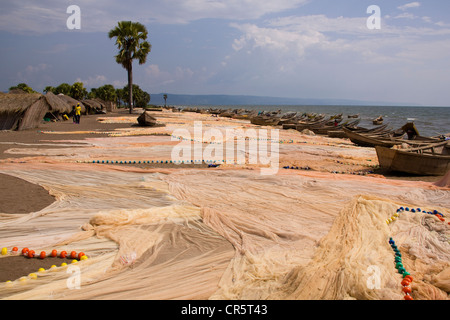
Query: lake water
(429, 121)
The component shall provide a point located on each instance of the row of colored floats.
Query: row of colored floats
(113, 133)
(210, 163)
(401, 210)
(42, 255)
(359, 173)
(280, 141)
(137, 133)
(54, 253)
(297, 168)
(407, 279)
(358, 164)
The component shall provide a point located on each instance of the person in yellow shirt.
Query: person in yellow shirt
(77, 113)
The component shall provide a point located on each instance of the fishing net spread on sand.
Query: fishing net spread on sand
(223, 233)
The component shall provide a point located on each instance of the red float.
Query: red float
(407, 289)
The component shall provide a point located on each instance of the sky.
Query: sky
(327, 49)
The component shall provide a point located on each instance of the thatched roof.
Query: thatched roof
(93, 105)
(27, 110)
(18, 102)
(17, 91)
(21, 111)
(57, 104)
(72, 102)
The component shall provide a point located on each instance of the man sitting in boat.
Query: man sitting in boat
(410, 130)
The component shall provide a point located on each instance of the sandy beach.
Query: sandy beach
(315, 230)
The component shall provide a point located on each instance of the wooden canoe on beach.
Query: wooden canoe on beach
(146, 120)
(325, 129)
(265, 120)
(371, 139)
(429, 160)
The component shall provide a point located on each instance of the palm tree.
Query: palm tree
(131, 41)
(165, 99)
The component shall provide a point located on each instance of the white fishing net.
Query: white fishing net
(227, 233)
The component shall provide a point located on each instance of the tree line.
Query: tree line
(131, 41)
(106, 92)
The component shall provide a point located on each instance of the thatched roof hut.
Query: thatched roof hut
(93, 105)
(72, 102)
(20, 111)
(15, 107)
(57, 105)
(17, 91)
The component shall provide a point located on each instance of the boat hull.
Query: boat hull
(369, 141)
(412, 163)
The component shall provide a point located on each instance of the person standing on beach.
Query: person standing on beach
(72, 113)
(77, 113)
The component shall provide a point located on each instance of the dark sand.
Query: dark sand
(16, 266)
(33, 137)
(32, 196)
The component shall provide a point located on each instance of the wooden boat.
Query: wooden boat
(378, 120)
(388, 138)
(370, 139)
(340, 133)
(264, 120)
(290, 117)
(353, 116)
(429, 160)
(246, 115)
(326, 128)
(214, 111)
(146, 120)
(227, 113)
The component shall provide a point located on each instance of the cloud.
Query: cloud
(405, 15)
(32, 71)
(29, 17)
(157, 78)
(93, 81)
(301, 54)
(278, 39)
(26, 16)
(295, 35)
(409, 6)
(36, 76)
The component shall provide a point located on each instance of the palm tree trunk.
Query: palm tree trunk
(130, 87)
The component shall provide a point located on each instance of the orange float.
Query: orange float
(406, 282)
(407, 289)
